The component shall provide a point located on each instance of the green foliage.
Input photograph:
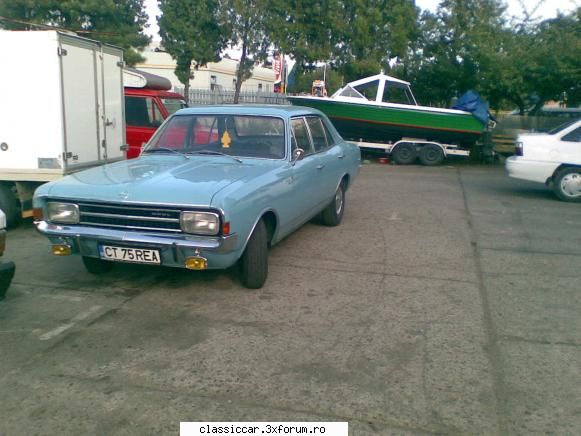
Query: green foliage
(303, 83)
(190, 31)
(249, 22)
(117, 22)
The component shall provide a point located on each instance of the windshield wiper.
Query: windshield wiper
(164, 149)
(216, 153)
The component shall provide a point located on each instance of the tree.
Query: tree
(117, 22)
(190, 32)
(249, 22)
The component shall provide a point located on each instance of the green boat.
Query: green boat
(383, 109)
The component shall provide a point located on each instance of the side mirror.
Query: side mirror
(298, 154)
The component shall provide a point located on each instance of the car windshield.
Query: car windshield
(234, 135)
(562, 127)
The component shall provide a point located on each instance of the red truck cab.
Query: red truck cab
(148, 102)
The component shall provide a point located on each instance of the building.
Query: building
(214, 75)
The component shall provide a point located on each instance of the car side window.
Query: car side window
(142, 112)
(317, 133)
(574, 136)
(300, 136)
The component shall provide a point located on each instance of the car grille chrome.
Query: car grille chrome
(130, 217)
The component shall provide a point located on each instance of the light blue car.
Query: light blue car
(216, 185)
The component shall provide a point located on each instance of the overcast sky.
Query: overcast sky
(545, 9)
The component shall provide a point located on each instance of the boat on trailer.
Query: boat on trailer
(383, 110)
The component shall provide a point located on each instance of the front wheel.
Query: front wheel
(254, 260)
(333, 213)
(567, 184)
(97, 266)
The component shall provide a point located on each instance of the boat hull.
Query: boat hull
(386, 123)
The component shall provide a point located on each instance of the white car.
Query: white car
(552, 158)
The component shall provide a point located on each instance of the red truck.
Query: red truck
(148, 101)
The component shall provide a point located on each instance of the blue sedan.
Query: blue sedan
(216, 185)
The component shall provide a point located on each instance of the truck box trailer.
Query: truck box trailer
(61, 110)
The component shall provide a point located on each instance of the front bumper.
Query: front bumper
(221, 251)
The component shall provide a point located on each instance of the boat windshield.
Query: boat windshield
(348, 91)
(217, 134)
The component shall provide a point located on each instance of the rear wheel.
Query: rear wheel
(404, 154)
(97, 266)
(254, 260)
(567, 184)
(333, 213)
(431, 154)
(9, 205)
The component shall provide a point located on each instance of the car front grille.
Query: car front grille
(130, 217)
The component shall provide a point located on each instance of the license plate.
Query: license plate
(126, 254)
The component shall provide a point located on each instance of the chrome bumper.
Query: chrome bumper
(218, 244)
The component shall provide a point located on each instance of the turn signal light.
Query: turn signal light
(61, 250)
(37, 214)
(226, 228)
(196, 263)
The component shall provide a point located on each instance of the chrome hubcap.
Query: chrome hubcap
(338, 201)
(571, 185)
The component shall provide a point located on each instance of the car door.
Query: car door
(143, 117)
(331, 158)
(306, 173)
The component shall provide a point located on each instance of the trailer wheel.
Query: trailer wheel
(9, 204)
(404, 154)
(431, 154)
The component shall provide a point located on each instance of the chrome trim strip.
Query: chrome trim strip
(124, 226)
(219, 244)
(131, 217)
(129, 206)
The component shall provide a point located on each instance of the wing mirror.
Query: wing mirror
(298, 154)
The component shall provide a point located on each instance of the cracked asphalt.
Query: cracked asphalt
(447, 302)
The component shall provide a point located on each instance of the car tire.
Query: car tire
(97, 266)
(431, 154)
(567, 184)
(6, 274)
(404, 154)
(333, 213)
(9, 205)
(254, 260)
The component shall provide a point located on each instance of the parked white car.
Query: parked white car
(552, 158)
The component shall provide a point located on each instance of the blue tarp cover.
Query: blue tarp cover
(472, 102)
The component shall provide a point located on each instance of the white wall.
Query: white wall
(221, 73)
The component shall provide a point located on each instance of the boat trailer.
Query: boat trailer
(407, 150)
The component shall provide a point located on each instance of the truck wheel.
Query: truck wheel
(9, 204)
(567, 184)
(97, 266)
(431, 154)
(333, 213)
(404, 154)
(254, 260)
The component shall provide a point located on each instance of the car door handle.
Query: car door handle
(341, 156)
(320, 167)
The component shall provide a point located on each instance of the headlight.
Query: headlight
(63, 213)
(202, 223)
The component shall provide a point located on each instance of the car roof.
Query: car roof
(251, 109)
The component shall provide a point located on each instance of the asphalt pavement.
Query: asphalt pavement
(447, 302)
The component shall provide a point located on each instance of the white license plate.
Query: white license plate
(125, 254)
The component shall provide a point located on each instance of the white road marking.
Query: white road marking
(80, 317)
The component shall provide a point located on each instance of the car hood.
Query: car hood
(157, 179)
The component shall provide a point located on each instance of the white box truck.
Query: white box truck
(61, 110)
